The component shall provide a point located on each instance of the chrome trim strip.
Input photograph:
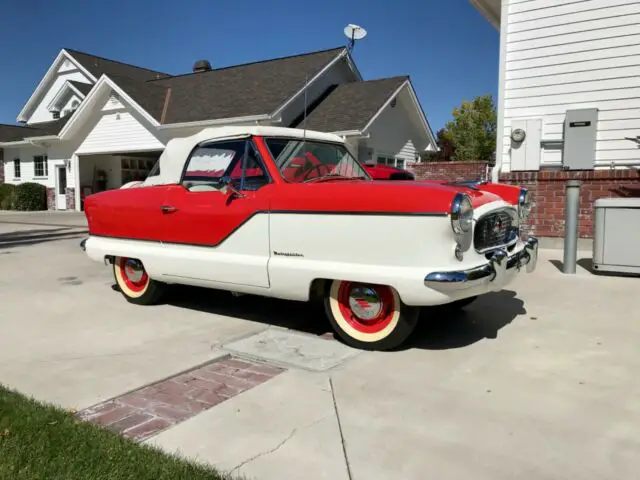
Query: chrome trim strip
(493, 271)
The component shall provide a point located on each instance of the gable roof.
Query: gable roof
(98, 66)
(364, 99)
(240, 90)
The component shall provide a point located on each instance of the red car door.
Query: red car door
(217, 232)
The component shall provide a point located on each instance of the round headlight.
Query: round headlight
(525, 202)
(461, 214)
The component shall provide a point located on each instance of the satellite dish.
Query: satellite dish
(353, 33)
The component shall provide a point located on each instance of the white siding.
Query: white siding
(392, 133)
(121, 131)
(567, 54)
(56, 156)
(40, 113)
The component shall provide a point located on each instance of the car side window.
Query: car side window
(209, 162)
(236, 160)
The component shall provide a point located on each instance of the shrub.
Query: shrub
(30, 196)
(7, 194)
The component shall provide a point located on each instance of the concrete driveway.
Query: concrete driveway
(538, 381)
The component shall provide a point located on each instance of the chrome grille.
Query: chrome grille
(493, 230)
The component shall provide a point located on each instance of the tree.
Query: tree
(445, 151)
(472, 132)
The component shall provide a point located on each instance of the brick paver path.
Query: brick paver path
(151, 409)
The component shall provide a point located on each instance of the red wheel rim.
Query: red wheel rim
(367, 308)
(133, 273)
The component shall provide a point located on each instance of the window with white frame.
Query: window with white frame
(16, 168)
(40, 166)
(391, 161)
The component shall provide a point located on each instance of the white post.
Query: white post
(75, 165)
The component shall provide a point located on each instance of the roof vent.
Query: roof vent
(201, 66)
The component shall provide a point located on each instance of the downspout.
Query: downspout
(504, 23)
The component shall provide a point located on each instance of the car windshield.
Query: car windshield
(302, 161)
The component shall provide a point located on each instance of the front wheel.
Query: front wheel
(134, 282)
(368, 316)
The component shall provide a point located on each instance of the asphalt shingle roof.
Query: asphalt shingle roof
(12, 133)
(242, 90)
(350, 106)
(97, 66)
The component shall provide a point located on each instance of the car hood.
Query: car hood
(415, 197)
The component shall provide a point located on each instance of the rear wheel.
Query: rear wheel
(134, 282)
(369, 316)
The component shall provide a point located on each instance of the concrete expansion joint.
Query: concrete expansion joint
(342, 440)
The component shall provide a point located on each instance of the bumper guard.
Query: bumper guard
(493, 273)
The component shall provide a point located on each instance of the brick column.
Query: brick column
(71, 198)
(51, 198)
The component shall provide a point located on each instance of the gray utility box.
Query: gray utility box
(580, 132)
(617, 235)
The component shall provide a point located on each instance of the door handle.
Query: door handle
(168, 209)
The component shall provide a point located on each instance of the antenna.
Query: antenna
(304, 118)
(353, 33)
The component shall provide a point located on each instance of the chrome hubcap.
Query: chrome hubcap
(365, 303)
(134, 270)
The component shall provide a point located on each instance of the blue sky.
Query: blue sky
(448, 48)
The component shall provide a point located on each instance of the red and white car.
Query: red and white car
(291, 214)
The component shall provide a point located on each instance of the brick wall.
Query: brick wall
(548, 189)
(51, 199)
(451, 170)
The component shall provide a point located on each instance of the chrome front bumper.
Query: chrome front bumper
(492, 274)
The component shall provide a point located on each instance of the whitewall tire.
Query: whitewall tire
(134, 282)
(369, 316)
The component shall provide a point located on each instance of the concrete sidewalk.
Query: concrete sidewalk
(541, 383)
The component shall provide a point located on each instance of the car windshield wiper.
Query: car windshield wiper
(333, 176)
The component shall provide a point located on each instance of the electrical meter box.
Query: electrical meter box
(580, 129)
(616, 234)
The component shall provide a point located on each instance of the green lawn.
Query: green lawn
(46, 443)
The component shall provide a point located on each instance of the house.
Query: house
(568, 101)
(564, 63)
(93, 124)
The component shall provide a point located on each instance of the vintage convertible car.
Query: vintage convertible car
(291, 214)
(386, 172)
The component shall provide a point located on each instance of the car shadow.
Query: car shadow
(443, 328)
(301, 316)
(439, 328)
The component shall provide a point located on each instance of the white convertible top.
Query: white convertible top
(178, 149)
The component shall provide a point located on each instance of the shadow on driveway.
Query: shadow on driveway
(443, 328)
(439, 327)
(303, 317)
(35, 236)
